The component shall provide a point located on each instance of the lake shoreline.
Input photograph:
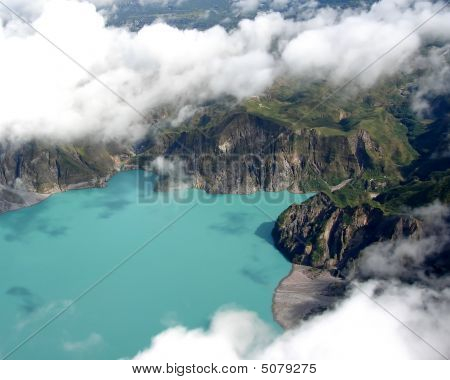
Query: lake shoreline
(77, 236)
(31, 199)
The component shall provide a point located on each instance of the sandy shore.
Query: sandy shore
(303, 293)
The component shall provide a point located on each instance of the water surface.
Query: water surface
(200, 255)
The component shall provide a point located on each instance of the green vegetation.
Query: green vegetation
(296, 106)
(405, 159)
(418, 193)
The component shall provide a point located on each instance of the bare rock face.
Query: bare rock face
(245, 153)
(319, 234)
(31, 171)
(324, 242)
(241, 154)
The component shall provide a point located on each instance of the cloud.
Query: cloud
(91, 341)
(45, 95)
(361, 329)
(161, 2)
(338, 46)
(246, 6)
(172, 174)
(232, 335)
(381, 319)
(436, 78)
(358, 329)
(279, 4)
(406, 258)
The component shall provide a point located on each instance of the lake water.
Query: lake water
(202, 254)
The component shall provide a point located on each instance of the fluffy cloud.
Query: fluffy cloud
(358, 329)
(338, 47)
(232, 335)
(46, 95)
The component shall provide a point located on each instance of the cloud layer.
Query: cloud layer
(46, 95)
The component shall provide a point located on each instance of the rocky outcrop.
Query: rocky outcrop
(245, 153)
(324, 243)
(319, 234)
(31, 171)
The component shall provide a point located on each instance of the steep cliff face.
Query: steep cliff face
(246, 153)
(320, 234)
(238, 154)
(30, 171)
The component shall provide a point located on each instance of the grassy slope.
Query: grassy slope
(302, 106)
(414, 150)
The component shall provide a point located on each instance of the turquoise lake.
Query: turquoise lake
(201, 254)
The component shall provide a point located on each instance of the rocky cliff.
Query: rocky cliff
(320, 234)
(245, 153)
(30, 172)
(239, 153)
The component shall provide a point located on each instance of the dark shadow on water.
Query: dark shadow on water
(53, 231)
(111, 200)
(234, 223)
(17, 226)
(27, 301)
(107, 205)
(256, 276)
(264, 231)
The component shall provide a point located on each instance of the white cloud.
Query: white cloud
(406, 257)
(232, 335)
(45, 95)
(91, 341)
(436, 79)
(172, 172)
(279, 4)
(161, 2)
(361, 329)
(246, 6)
(358, 329)
(338, 48)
